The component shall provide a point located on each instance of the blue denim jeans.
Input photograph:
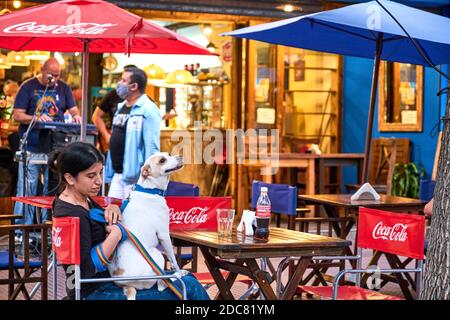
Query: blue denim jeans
(34, 172)
(109, 291)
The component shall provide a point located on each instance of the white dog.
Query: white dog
(147, 217)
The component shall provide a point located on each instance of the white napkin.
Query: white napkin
(245, 225)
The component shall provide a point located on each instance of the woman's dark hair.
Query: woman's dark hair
(73, 158)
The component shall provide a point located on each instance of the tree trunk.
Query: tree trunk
(436, 281)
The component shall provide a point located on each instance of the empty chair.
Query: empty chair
(22, 271)
(384, 154)
(387, 232)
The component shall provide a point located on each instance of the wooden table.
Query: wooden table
(332, 203)
(246, 251)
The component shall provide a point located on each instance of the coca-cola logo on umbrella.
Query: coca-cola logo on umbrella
(396, 233)
(76, 28)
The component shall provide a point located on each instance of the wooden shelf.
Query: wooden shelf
(312, 91)
(311, 68)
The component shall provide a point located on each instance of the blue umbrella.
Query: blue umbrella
(377, 29)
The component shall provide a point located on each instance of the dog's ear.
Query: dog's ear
(146, 170)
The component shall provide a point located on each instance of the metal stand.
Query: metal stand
(23, 153)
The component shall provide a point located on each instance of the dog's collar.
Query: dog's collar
(156, 191)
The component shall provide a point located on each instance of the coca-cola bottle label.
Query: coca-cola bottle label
(263, 211)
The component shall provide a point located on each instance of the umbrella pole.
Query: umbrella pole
(373, 95)
(84, 89)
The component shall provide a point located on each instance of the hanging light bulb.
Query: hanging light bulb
(18, 59)
(109, 63)
(17, 4)
(207, 30)
(37, 55)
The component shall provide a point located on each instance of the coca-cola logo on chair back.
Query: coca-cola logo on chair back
(396, 233)
(66, 240)
(195, 212)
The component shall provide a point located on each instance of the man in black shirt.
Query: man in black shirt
(117, 146)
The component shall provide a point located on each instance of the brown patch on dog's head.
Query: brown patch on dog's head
(118, 272)
(146, 170)
(161, 164)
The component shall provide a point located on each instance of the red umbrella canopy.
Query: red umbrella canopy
(63, 25)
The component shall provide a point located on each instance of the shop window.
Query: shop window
(400, 97)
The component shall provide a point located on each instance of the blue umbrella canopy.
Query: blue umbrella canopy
(353, 30)
(382, 30)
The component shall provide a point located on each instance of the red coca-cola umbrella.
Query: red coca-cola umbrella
(89, 26)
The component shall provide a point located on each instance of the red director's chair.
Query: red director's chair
(394, 234)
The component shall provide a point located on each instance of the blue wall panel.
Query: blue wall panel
(356, 95)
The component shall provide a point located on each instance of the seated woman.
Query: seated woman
(79, 166)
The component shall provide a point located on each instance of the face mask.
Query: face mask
(123, 91)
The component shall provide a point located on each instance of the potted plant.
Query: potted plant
(406, 179)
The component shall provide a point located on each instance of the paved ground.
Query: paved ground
(237, 290)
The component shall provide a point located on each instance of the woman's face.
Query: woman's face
(89, 181)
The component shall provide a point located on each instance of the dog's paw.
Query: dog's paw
(181, 273)
(130, 293)
(161, 285)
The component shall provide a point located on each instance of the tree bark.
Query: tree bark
(436, 281)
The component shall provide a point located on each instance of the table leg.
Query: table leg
(311, 177)
(294, 281)
(261, 279)
(403, 283)
(332, 213)
(222, 284)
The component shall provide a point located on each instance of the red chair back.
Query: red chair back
(395, 233)
(195, 212)
(66, 239)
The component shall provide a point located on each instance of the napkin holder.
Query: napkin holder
(245, 226)
(365, 192)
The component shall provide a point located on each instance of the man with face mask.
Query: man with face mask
(135, 133)
(107, 106)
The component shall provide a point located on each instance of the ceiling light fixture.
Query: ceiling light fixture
(287, 7)
(17, 4)
(37, 55)
(207, 30)
(18, 59)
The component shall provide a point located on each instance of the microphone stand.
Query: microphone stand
(24, 141)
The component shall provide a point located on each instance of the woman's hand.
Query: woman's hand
(112, 214)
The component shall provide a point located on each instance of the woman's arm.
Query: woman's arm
(112, 240)
(428, 210)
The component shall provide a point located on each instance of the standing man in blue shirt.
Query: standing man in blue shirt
(51, 107)
(135, 133)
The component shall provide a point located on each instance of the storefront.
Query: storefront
(249, 85)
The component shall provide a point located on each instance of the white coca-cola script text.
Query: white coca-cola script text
(395, 233)
(56, 238)
(76, 28)
(193, 215)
